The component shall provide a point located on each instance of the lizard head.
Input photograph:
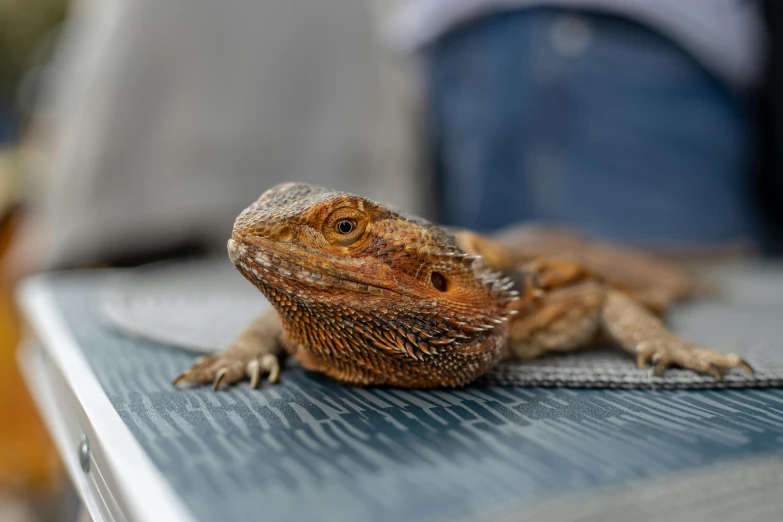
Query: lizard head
(370, 295)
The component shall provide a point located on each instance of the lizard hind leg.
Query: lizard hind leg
(254, 353)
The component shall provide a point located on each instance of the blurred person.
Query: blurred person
(627, 119)
(158, 122)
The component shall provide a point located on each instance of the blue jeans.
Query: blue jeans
(607, 127)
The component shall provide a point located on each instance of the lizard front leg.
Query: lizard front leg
(257, 351)
(642, 334)
(574, 311)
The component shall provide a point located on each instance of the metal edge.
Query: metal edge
(141, 490)
(41, 389)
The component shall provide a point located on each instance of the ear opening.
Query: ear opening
(438, 281)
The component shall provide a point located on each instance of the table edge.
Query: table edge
(144, 493)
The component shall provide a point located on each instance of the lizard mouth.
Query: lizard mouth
(260, 259)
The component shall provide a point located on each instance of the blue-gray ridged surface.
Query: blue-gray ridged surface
(312, 449)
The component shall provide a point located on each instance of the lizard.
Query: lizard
(371, 296)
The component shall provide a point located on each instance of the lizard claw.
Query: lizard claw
(745, 366)
(715, 371)
(219, 378)
(227, 368)
(272, 364)
(267, 364)
(254, 370)
(182, 377)
(643, 358)
(660, 366)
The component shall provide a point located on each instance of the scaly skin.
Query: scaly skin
(370, 296)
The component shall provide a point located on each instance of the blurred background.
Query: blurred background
(136, 130)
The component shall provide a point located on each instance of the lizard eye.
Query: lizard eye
(345, 226)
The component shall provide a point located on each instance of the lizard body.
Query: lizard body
(371, 296)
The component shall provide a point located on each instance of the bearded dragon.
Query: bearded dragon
(373, 297)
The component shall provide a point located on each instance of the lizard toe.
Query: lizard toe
(268, 364)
